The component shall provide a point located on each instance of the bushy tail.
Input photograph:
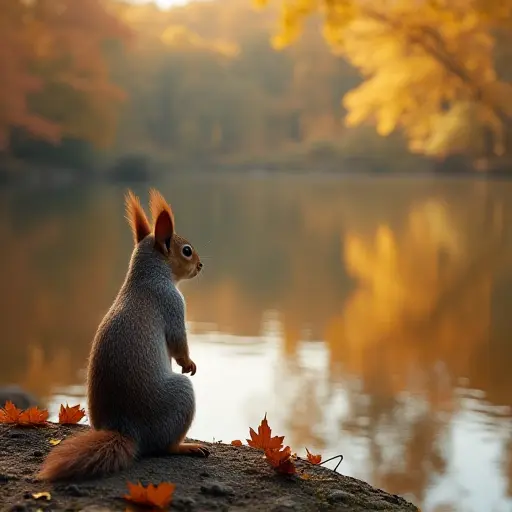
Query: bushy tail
(89, 454)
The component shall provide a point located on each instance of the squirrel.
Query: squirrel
(137, 405)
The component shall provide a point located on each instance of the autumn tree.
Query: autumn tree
(204, 82)
(54, 69)
(428, 67)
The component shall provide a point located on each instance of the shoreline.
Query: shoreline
(62, 179)
(230, 479)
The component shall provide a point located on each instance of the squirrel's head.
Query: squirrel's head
(182, 258)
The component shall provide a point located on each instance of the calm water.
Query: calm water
(368, 317)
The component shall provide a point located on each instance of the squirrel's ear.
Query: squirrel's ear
(162, 217)
(136, 217)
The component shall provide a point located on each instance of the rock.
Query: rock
(284, 504)
(96, 508)
(19, 507)
(338, 496)
(218, 483)
(17, 435)
(185, 503)
(74, 490)
(217, 489)
(18, 396)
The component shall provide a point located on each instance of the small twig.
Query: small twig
(332, 458)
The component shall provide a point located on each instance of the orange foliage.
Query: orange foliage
(70, 415)
(236, 442)
(153, 495)
(33, 416)
(281, 460)
(10, 413)
(263, 440)
(314, 459)
(58, 45)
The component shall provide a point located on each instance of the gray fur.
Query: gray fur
(131, 386)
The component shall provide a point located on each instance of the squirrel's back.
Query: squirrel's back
(135, 330)
(137, 404)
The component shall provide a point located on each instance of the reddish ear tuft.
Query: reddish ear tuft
(162, 216)
(137, 219)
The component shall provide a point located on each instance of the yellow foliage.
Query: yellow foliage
(260, 3)
(421, 63)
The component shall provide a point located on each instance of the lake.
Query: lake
(369, 317)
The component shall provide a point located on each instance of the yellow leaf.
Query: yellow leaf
(42, 495)
(55, 442)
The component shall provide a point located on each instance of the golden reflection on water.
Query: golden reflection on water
(368, 317)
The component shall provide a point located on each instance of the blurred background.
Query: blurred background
(343, 168)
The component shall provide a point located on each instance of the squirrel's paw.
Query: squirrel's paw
(194, 449)
(187, 366)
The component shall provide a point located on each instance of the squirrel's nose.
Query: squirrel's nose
(199, 265)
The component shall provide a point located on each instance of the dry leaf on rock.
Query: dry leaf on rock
(10, 413)
(153, 495)
(42, 496)
(263, 440)
(281, 460)
(33, 416)
(236, 442)
(314, 459)
(70, 415)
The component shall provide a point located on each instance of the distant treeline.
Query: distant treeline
(132, 89)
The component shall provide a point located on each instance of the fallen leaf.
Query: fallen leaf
(314, 459)
(55, 442)
(236, 442)
(42, 495)
(10, 413)
(33, 416)
(70, 415)
(154, 495)
(281, 460)
(263, 440)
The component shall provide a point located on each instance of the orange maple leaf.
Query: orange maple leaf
(314, 459)
(263, 440)
(281, 460)
(10, 413)
(153, 495)
(70, 415)
(236, 442)
(33, 416)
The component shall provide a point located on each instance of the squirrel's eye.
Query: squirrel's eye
(186, 250)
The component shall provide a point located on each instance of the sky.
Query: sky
(167, 3)
(162, 3)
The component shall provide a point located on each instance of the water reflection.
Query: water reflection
(367, 317)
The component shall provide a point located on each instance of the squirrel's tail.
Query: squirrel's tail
(87, 455)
